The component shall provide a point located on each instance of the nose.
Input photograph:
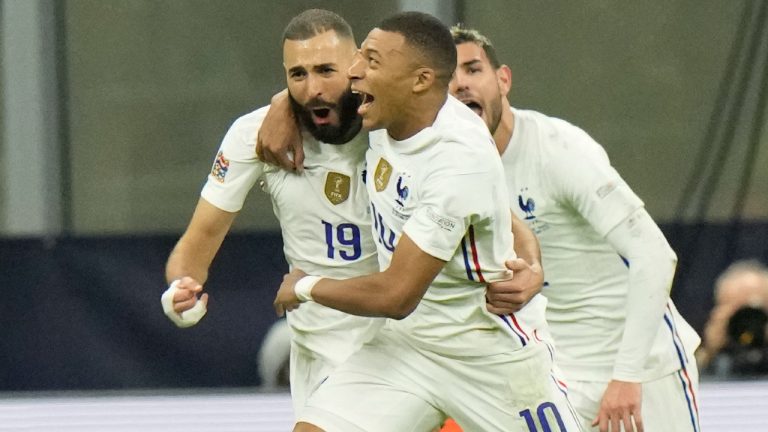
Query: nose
(458, 82)
(357, 70)
(314, 86)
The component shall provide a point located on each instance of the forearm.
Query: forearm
(375, 295)
(194, 252)
(280, 105)
(187, 260)
(526, 244)
(651, 270)
(393, 293)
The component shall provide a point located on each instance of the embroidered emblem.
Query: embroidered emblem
(402, 191)
(381, 177)
(337, 187)
(528, 206)
(220, 167)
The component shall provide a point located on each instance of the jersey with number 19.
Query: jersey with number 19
(325, 223)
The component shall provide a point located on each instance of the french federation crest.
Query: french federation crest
(337, 187)
(220, 167)
(382, 174)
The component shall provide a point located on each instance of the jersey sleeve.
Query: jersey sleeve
(580, 174)
(448, 204)
(235, 169)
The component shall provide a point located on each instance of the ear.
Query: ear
(504, 78)
(424, 79)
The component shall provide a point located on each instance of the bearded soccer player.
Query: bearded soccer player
(323, 212)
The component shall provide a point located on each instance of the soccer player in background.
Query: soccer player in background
(442, 224)
(625, 351)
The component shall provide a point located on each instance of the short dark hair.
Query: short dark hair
(429, 36)
(312, 22)
(463, 34)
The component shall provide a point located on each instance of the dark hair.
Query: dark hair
(312, 22)
(463, 34)
(429, 36)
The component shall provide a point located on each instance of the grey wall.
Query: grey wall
(640, 77)
(153, 85)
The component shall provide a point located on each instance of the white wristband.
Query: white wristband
(187, 318)
(303, 288)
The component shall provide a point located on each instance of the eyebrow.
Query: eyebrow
(472, 62)
(296, 69)
(370, 51)
(314, 67)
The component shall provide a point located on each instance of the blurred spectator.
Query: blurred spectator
(735, 334)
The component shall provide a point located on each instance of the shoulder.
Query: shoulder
(463, 134)
(240, 140)
(251, 121)
(556, 138)
(458, 119)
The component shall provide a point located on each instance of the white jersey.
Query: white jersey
(562, 184)
(323, 216)
(444, 187)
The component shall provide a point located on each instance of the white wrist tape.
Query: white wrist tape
(303, 287)
(189, 317)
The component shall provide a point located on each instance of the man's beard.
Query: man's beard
(349, 122)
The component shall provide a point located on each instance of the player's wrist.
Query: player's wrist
(303, 288)
(184, 319)
(167, 298)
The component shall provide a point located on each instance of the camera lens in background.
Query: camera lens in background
(746, 345)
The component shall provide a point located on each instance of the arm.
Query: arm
(187, 268)
(234, 172)
(526, 243)
(393, 293)
(651, 270)
(509, 296)
(279, 133)
(194, 252)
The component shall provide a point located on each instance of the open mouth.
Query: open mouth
(474, 106)
(365, 101)
(321, 115)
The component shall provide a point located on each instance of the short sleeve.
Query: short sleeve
(236, 168)
(448, 204)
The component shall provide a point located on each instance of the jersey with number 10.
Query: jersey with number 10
(444, 188)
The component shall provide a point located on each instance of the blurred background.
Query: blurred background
(112, 112)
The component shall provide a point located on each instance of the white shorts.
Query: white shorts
(308, 370)
(670, 403)
(309, 367)
(390, 386)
